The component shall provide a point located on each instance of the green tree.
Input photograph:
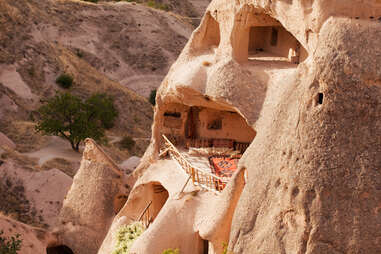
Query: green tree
(9, 245)
(67, 116)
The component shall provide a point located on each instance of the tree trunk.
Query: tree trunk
(75, 147)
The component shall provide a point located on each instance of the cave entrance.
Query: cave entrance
(157, 196)
(274, 43)
(61, 249)
(264, 39)
(202, 127)
(207, 139)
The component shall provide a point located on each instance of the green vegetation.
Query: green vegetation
(65, 81)
(225, 248)
(156, 5)
(171, 251)
(10, 245)
(127, 143)
(126, 236)
(67, 116)
(92, 1)
(152, 97)
(150, 3)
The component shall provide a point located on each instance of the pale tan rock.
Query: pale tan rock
(313, 102)
(33, 240)
(96, 195)
(6, 142)
(180, 220)
(44, 190)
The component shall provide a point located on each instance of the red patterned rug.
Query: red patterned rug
(224, 166)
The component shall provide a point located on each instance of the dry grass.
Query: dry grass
(15, 205)
(68, 167)
(28, 163)
(24, 136)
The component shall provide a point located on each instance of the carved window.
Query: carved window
(173, 114)
(215, 125)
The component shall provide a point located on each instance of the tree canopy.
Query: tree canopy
(73, 119)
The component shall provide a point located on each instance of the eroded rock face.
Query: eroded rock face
(33, 240)
(96, 195)
(305, 76)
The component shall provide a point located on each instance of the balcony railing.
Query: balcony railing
(205, 180)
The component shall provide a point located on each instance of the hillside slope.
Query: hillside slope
(100, 45)
(106, 47)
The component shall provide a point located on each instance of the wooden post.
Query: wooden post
(193, 178)
(182, 189)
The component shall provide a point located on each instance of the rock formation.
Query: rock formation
(300, 82)
(98, 192)
(291, 90)
(34, 240)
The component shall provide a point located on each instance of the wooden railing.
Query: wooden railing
(199, 177)
(145, 216)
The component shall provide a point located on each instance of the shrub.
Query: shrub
(154, 4)
(64, 80)
(152, 97)
(171, 251)
(9, 245)
(127, 143)
(225, 248)
(126, 236)
(92, 1)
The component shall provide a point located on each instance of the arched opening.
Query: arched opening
(208, 35)
(152, 199)
(61, 249)
(119, 202)
(274, 43)
(263, 38)
(206, 138)
(199, 127)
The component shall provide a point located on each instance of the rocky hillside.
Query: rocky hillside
(123, 49)
(105, 47)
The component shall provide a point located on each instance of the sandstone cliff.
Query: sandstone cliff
(305, 77)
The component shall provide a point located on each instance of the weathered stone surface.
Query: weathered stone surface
(5, 141)
(34, 240)
(96, 195)
(313, 168)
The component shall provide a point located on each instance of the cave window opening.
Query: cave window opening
(61, 249)
(211, 34)
(320, 98)
(172, 120)
(215, 125)
(268, 40)
(173, 114)
(212, 139)
(156, 196)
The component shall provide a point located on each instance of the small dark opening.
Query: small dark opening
(274, 37)
(173, 114)
(320, 98)
(215, 125)
(61, 249)
(206, 246)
